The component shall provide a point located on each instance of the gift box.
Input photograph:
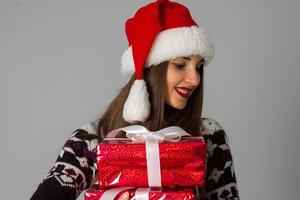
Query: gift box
(125, 163)
(185, 193)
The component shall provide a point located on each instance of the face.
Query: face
(183, 76)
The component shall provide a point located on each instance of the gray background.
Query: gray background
(60, 68)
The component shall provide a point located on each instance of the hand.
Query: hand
(124, 196)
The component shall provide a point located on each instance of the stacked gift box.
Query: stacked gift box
(167, 164)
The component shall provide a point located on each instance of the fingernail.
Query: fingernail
(125, 196)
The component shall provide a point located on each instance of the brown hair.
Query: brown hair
(161, 115)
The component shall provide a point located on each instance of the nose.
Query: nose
(193, 77)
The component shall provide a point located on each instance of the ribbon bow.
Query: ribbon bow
(141, 133)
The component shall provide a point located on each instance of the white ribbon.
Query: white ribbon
(142, 194)
(153, 164)
(152, 138)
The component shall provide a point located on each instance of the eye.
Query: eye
(179, 66)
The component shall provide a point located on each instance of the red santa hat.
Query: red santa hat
(158, 32)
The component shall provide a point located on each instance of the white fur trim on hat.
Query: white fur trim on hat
(137, 105)
(173, 43)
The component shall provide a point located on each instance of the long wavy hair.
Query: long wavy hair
(161, 115)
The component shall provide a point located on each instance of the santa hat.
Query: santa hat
(158, 32)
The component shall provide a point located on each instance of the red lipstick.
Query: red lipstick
(184, 95)
(185, 88)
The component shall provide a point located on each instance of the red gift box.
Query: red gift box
(186, 193)
(123, 163)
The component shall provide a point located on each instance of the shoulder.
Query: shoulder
(84, 136)
(89, 128)
(213, 131)
(210, 126)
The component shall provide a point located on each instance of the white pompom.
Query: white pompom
(127, 63)
(137, 105)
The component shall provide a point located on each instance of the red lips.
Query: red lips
(184, 95)
(185, 88)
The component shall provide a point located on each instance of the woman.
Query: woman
(166, 57)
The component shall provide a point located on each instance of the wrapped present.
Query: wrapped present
(169, 157)
(184, 193)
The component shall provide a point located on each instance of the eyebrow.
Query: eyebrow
(187, 58)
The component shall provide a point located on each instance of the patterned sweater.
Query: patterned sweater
(75, 167)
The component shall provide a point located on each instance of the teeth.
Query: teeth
(183, 91)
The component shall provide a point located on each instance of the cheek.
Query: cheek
(171, 84)
(173, 78)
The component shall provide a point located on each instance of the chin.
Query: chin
(179, 107)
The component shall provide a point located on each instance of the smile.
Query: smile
(183, 92)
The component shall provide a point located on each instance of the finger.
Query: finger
(124, 196)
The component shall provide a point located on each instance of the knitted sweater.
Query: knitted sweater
(75, 167)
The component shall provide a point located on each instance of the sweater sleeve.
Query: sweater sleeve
(73, 170)
(220, 176)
